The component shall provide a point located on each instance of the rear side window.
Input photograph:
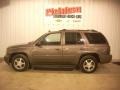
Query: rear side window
(73, 38)
(96, 38)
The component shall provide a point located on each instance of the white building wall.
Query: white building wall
(0, 27)
(25, 20)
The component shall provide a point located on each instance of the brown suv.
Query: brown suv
(83, 49)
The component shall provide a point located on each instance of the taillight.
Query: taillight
(107, 50)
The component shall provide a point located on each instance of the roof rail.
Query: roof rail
(63, 29)
(93, 30)
(79, 30)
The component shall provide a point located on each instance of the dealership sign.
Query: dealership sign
(65, 12)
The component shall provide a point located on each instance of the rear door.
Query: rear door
(73, 42)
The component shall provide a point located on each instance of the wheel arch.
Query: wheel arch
(23, 53)
(91, 54)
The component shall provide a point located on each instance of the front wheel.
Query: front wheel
(88, 64)
(20, 62)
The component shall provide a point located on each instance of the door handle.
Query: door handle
(66, 48)
(82, 48)
(57, 49)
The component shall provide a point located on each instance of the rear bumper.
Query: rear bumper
(105, 58)
(6, 59)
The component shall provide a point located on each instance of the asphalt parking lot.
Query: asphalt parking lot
(107, 77)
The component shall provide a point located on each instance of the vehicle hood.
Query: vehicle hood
(21, 45)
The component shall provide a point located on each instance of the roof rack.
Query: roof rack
(79, 30)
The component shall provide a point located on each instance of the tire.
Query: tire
(20, 62)
(88, 64)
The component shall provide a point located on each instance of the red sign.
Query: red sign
(63, 11)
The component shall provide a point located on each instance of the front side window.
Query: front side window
(73, 38)
(52, 39)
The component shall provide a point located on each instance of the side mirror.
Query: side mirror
(38, 44)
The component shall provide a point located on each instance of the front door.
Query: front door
(50, 50)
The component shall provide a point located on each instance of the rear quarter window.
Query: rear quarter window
(96, 38)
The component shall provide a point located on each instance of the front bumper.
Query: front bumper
(6, 59)
(105, 58)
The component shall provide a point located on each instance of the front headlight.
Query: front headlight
(8, 50)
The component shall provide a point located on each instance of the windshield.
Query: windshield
(39, 39)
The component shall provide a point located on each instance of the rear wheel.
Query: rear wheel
(20, 62)
(88, 64)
